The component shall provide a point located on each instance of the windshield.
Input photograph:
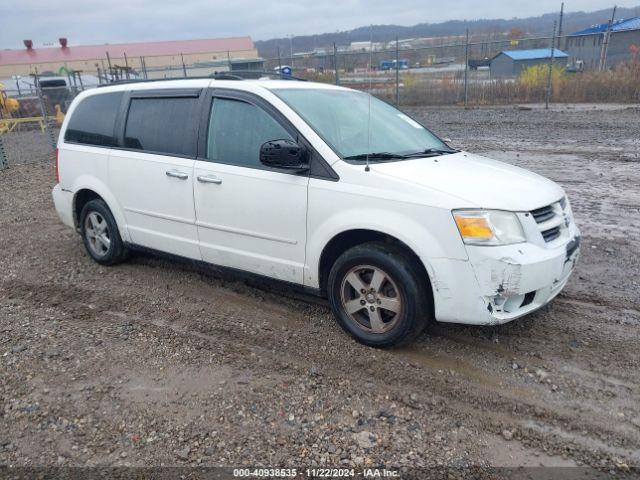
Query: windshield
(340, 117)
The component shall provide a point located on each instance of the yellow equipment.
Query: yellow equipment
(59, 115)
(8, 106)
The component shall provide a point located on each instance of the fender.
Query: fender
(424, 242)
(88, 182)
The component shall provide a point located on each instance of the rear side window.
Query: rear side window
(93, 120)
(162, 125)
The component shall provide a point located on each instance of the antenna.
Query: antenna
(367, 168)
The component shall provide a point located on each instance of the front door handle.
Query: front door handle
(209, 179)
(177, 174)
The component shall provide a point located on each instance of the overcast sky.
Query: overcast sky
(116, 21)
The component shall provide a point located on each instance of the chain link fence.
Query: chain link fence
(31, 112)
(467, 71)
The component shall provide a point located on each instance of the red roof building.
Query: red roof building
(85, 57)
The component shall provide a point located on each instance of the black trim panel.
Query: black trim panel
(167, 93)
(260, 281)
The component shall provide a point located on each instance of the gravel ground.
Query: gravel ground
(155, 362)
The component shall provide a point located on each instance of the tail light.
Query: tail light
(57, 168)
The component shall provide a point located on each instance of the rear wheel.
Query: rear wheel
(378, 296)
(100, 234)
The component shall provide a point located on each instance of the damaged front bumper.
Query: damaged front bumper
(499, 284)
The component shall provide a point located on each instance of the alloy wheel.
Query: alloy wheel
(371, 299)
(96, 232)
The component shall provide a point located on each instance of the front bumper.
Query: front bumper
(499, 284)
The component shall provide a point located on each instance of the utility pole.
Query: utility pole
(397, 73)
(560, 25)
(605, 42)
(553, 42)
(466, 69)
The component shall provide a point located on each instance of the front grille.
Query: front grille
(543, 214)
(551, 220)
(551, 234)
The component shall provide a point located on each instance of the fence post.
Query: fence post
(144, 68)
(184, 68)
(335, 63)
(466, 68)
(553, 42)
(3, 155)
(397, 73)
(279, 63)
(45, 117)
(126, 65)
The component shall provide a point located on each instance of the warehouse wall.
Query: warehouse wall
(89, 65)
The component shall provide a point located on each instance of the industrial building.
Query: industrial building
(510, 63)
(90, 58)
(586, 47)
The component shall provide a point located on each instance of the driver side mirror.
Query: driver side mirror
(284, 154)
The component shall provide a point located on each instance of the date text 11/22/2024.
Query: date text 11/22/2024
(315, 472)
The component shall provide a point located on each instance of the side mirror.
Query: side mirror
(284, 154)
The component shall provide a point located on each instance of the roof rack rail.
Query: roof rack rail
(253, 74)
(234, 75)
(150, 80)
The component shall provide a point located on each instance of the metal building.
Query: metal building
(88, 58)
(586, 46)
(510, 63)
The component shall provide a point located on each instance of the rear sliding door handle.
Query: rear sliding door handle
(209, 179)
(177, 174)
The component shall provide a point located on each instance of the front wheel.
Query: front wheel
(377, 294)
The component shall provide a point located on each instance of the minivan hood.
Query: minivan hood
(479, 180)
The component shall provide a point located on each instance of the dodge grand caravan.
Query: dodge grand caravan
(318, 186)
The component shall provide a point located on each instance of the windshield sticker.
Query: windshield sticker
(410, 121)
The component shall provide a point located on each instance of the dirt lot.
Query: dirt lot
(157, 363)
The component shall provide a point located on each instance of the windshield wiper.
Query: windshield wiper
(430, 152)
(381, 156)
(376, 156)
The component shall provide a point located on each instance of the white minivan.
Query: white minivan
(322, 187)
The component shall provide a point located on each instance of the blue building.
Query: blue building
(585, 46)
(510, 63)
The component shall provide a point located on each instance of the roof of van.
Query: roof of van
(248, 84)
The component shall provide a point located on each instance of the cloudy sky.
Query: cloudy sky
(115, 21)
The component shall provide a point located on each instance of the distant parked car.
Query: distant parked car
(317, 187)
(403, 64)
(475, 63)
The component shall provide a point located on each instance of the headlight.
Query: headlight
(488, 227)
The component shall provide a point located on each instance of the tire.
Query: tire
(400, 302)
(100, 234)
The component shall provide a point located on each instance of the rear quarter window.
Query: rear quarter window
(93, 121)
